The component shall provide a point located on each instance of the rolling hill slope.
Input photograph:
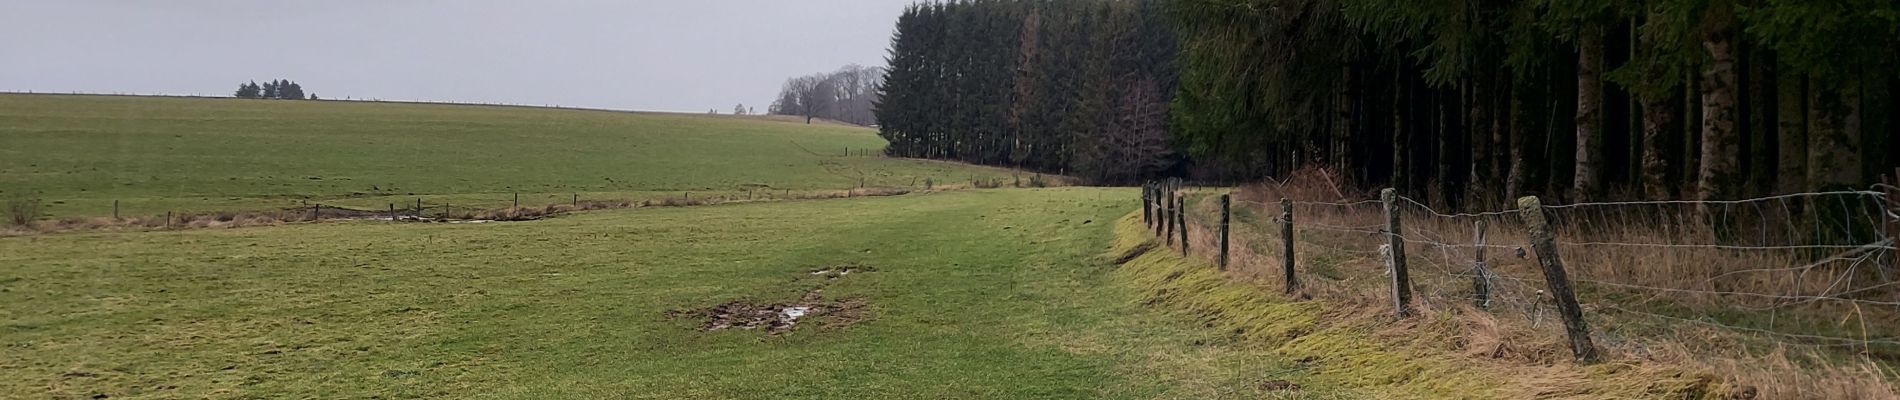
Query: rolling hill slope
(156, 154)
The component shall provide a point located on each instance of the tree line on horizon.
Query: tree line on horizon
(848, 94)
(1454, 100)
(275, 89)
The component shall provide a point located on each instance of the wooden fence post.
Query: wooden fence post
(1180, 205)
(517, 202)
(1147, 204)
(1395, 241)
(392, 212)
(317, 212)
(1544, 243)
(1167, 220)
(577, 201)
(418, 207)
(1286, 244)
(1481, 277)
(115, 210)
(1226, 201)
(168, 220)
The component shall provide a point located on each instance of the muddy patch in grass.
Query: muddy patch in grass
(779, 318)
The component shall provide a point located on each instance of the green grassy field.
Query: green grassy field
(79, 153)
(976, 294)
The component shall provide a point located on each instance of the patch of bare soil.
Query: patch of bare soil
(780, 318)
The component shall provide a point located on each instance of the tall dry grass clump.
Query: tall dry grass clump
(21, 211)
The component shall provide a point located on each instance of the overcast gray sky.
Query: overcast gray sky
(675, 55)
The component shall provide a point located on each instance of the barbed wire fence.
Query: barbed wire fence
(1814, 270)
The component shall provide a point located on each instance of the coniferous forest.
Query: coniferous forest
(1455, 100)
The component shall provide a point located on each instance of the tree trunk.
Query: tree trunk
(1514, 175)
(1446, 191)
(1342, 132)
(1398, 131)
(1761, 121)
(1793, 163)
(1691, 132)
(1721, 144)
(1833, 151)
(1500, 130)
(1589, 178)
(1659, 115)
(1479, 126)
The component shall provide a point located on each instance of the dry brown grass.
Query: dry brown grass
(1641, 300)
(21, 211)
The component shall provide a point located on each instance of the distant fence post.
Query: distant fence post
(1180, 205)
(317, 212)
(1481, 277)
(168, 220)
(1544, 243)
(1401, 280)
(418, 207)
(577, 201)
(392, 212)
(517, 201)
(115, 210)
(1286, 244)
(1226, 200)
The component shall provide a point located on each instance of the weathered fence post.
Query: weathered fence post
(1180, 205)
(392, 212)
(115, 210)
(1147, 204)
(577, 201)
(1167, 219)
(418, 207)
(1544, 243)
(1286, 244)
(1395, 241)
(1226, 201)
(317, 212)
(168, 220)
(517, 202)
(1481, 277)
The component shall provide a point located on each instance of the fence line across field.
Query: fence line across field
(1448, 259)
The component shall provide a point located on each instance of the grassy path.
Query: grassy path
(977, 294)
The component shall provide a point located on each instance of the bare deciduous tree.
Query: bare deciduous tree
(848, 95)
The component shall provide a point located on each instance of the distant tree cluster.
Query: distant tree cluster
(1063, 86)
(276, 89)
(848, 94)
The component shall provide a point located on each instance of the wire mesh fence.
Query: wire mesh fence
(1812, 270)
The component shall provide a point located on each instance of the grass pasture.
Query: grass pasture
(976, 294)
(157, 154)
